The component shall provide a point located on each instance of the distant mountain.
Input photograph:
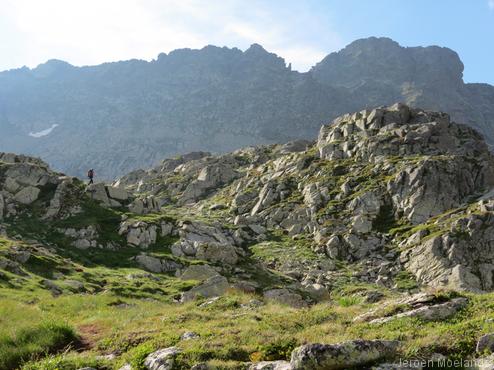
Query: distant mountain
(116, 117)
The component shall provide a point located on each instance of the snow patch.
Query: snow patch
(44, 132)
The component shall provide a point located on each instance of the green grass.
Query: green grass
(230, 336)
(280, 247)
(67, 361)
(30, 342)
(348, 301)
(405, 281)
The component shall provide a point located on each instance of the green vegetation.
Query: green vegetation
(405, 281)
(229, 334)
(281, 248)
(27, 343)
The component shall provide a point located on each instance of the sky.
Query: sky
(87, 32)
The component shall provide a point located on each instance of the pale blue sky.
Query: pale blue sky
(94, 31)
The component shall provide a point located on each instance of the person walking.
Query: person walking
(90, 175)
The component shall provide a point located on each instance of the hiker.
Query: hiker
(90, 175)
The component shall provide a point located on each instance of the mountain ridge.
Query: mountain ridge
(120, 116)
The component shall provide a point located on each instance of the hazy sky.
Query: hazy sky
(86, 32)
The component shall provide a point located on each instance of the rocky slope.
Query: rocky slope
(120, 116)
(384, 222)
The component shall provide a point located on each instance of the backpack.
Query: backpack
(90, 173)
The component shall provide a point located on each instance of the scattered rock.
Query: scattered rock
(188, 335)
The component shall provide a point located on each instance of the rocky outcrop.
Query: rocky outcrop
(399, 131)
(23, 180)
(56, 207)
(107, 195)
(460, 256)
(144, 234)
(82, 238)
(145, 205)
(139, 233)
(210, 243)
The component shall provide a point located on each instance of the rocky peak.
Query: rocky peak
(384, 60)
(52, 67)
(398, 131)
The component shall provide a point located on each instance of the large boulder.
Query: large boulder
(117, 193)
(208, 242)
(155, 264)
(82, 238)
(147, 204)
(163, 359)
(213, 287)
(30, 174)
(217, 253)
(286, 297)
(342, 355)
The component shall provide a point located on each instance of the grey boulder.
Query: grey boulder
(342, 355)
